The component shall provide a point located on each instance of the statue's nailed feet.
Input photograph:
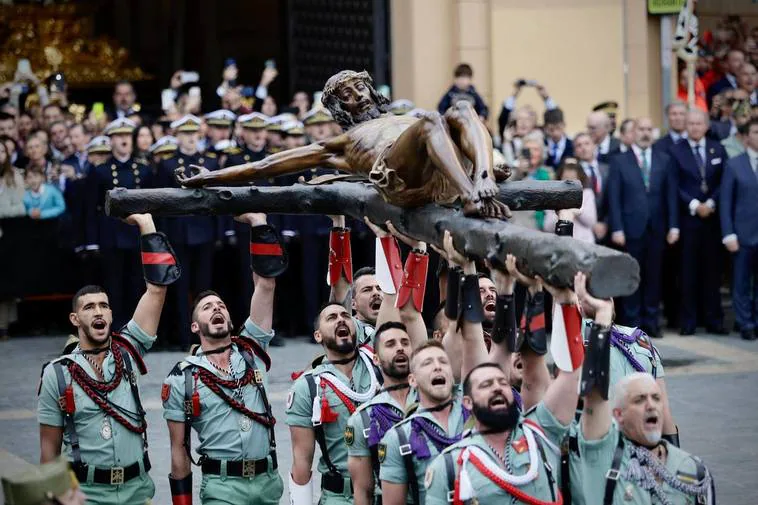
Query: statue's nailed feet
(482, 201)
(196, 179)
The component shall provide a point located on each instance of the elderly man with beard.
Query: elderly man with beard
(224, 384)
(628, 460)
(89, 398)
(510, 455)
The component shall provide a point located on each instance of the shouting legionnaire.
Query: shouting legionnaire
(411, 161)
(89, 399)
(509, 455)
(220, 391)
(629, 460)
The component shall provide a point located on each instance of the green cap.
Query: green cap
(32, 486)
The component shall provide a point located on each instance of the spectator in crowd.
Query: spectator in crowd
(11, 205)
(532, 166)
(51, 113)
(463, 89)
(269, 107)
(8, 125)
(26, 124)
(302, 102)
(747, 82)
(42, 200)
(124, 100)
(510, 104)
(59, 141)
(523, 123)
(735, 143)
(676, 114)
(738, 210)
(596, 173)
(722, 124)
(626, 135)
(36, 152)
(585, 218)
(143, 139)
(80, 137)
(559, 146)
(734, 60)
(697, 168)
(638, 185)
(599, 128)
(682, 92)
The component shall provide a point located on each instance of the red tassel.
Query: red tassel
(195, 401)
(69, 406)
(327, 414)
(296, 375)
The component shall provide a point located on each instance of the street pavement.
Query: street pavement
(712, 384)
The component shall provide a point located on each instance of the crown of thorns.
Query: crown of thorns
(342, 77)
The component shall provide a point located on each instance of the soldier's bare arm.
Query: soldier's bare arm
(180, 462)
(394, 493)
(148, 311)
(303, 447)
(322, 154)
(51, 438)
(363, 479)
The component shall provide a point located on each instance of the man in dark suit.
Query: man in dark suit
(559, 146)
(697, 167)
(638, 214)
(597, 175)
(676, 113)
(599, 128)
(734, 60)
(739, 223)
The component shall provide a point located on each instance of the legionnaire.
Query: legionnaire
(48, 484)
(220, 391)
(193, 237)
(319, 404)
(220, 123)
(116, 241)
(319, 124)
(89, 399)
(628, 461)
(401, 106)
(509, 455)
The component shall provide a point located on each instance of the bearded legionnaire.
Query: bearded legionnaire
(89, 399)
(511, 456)
(48, 484)
(411, 161)
(220, 391)
(629, 460)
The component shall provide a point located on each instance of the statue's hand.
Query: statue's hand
(196, 178)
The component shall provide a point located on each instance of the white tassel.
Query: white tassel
(466, 489)
(316, 415)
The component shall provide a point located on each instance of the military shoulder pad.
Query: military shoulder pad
(232, 150)
(364, 406)
(179, 368)
(210, 154)
(143, 162)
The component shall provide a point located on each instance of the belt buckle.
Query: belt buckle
(248, 468)
(612, 474)
(117, 475)
(188, 407)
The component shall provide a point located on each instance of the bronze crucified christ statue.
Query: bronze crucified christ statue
(412, 161)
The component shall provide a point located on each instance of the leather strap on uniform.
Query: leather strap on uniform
(413, 284)
(533, 324)
(672, 438)
(267, 256)
(452, 300)
(597, 361)
(181, 490)
(612, 476)
(504, 328)
(564, 228)
(340, 256)
(159, 265)
(471, 309)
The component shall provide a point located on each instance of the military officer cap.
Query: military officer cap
(186, 124)
(121, 125)
(222, 118)
(317, 116)
(402, 106)
(99, 145)
(164, 145)
(274, 124)
(253, 121)
(33, 486)
(293, 128)
(610, 107)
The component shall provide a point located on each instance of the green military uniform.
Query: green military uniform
(391, 456)
(300, 412)
(517, 463)
(31, 487)
(645, 354)
(226, 434)
(359, 426)
(104, 443)
(682, 470)
(364, 332)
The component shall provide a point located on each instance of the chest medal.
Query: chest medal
(106, 430)
(245, 423)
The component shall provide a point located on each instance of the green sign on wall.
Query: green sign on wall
(665, 6)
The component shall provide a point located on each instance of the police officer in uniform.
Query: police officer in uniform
(628, 461)
(116, 241)
(89, 398)
(220, 392)
(193, 237)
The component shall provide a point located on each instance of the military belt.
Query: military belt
(336, 483)
(239, 468)
(115, 475)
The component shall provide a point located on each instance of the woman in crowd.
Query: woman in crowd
(585, 217)
(11, 205)
(143, 139)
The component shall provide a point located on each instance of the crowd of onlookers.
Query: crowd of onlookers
(672, 195)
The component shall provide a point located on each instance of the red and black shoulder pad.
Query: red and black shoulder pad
(257, 350)
(127, 344)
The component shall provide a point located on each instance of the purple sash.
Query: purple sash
(423, 429)
(383, 417)
(618, 339)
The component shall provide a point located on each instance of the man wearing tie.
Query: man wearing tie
(559, 146)
(739, 224)
(697, 167)
(676, 113)
(599, 127)
(637, 200)
(584, 149)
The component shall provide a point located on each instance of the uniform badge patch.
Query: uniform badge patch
(290, 399)
(520, 445)
(165, 392)
(381, 452)
(349, 435)
(428, 477)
